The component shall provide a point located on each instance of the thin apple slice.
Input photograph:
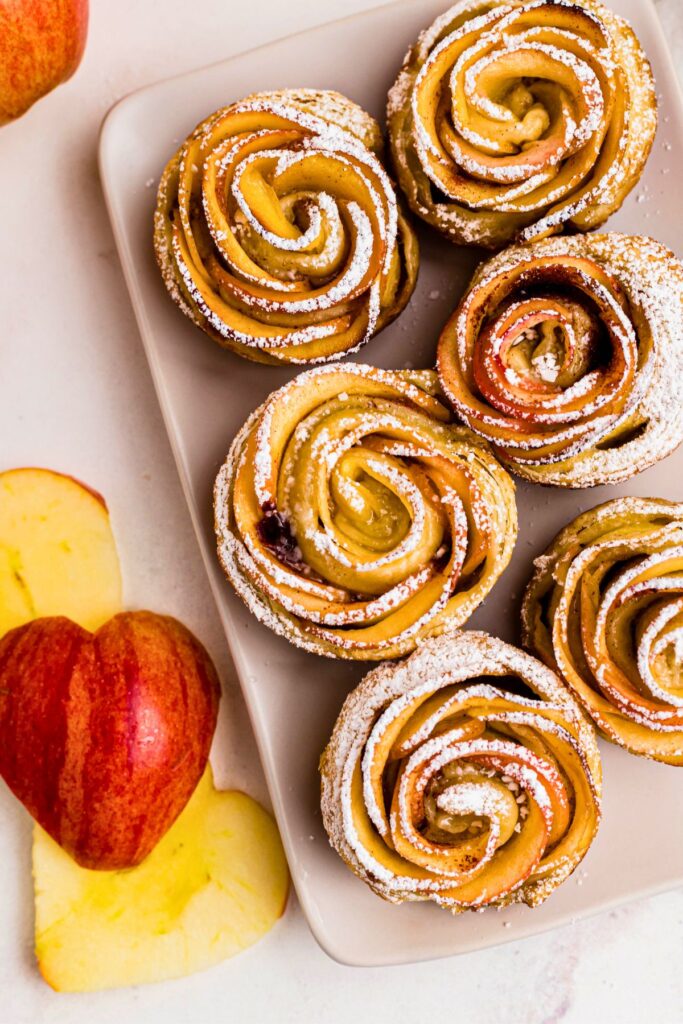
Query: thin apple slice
(215, 884)
(57, 551)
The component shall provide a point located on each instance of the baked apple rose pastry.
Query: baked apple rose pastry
(354, 518)
(567, 355)
(466, 775)
(521, 119)
(604, 608)
(277, 230)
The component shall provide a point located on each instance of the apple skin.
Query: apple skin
(63, 476)
(41, 45)
(104, 736)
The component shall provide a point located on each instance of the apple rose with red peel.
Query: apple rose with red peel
(521, 119)
(355, 519)
(277, 230)
(605, 610)
(466, 775)
(567, 355)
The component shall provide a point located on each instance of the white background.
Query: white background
(77, 396)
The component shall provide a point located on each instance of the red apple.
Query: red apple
(41, 45)
(104, 736)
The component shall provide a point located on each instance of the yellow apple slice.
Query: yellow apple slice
(215, 884)
(218, 880)
(57, 551)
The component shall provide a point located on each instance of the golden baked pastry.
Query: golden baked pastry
(354, 518)
(604, 608)
(277, 230)
(519, 119)
(567, 355)
(441, 782)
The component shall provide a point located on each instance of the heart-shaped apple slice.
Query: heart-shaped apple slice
(215, 884)
(104, 736)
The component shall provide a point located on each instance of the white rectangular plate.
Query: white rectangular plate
(206, 393)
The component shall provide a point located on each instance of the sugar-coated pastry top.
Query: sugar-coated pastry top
(465, 774)
(567, 355)
(354, 518)
(604, 608)
(277, 230)
(518, 119)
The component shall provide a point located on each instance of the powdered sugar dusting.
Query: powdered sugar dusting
(626, 560)
(559, 414)
(505, 109)
(258, 255)
(397, 522)
(467, 789)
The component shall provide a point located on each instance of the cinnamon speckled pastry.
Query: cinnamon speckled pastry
(354, 518)
(519, 119)
(604, 608)
(567, 355)
(277, 230)
(466, 774)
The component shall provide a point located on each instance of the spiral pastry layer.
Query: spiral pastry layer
(277, 230)
(353, 518)
(520, 119)
(604, 608)
(441, 782)
(567, 355)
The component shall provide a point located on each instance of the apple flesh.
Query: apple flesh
(217, 880)
(57, 550)
(104, 736)
(215, 884)
(41, 45)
